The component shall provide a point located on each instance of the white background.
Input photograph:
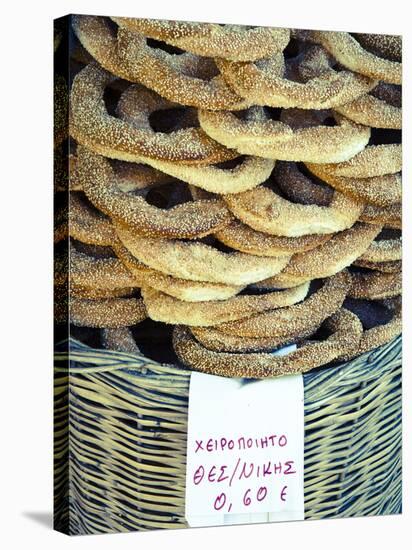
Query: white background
(26, 261)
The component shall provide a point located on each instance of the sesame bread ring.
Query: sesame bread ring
(389, 216)
(388, 46)
(372, 111)
(99, 273)
(242, 237)
(189, 291)
(329, 258)
(265, 210)
(97, 293)
(119, 339)
(185, 79)
(233, 176)
(346, 333)
(188, 220)
(380, 190)
(87, 224)
(92, 125)
(349, 52)
(306, 315)
(377, 336)
(263, 83)
(294, 137)
(215, 340)
(384, 249)
(107, 313)
(375, 285)
(384, 267)
(234, 42)
(196, 261)
(166, 309)
(374, 160)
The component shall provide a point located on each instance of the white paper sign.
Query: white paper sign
(245, 450)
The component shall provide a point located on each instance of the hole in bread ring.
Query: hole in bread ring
(109, 312)
(264, 83)
(196, 261)
(236, 42)
(298, 136)
(350, 53)
(306, 315)
(300, 186)
(346, 332)
(164, 308)
(92, 126)
(188, 220)
(186, 78)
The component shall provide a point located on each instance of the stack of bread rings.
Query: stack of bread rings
(238, 188)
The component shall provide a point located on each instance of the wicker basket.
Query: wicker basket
(122, 467)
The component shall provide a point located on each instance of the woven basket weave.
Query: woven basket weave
(120, 440)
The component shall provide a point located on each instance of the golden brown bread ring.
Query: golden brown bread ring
(389, 216)
(380, 190)
(384, 267)
(185, 79)
(287, 139)
(166, 309)
(383, 250)
(306, 315)
(350, 53)
(190, 291)
(99, 273)
(234, 42)
(388, 46)
(265, 210)
(381, 334)
(372, 111)
(77, 291)
(187, 220)
(264, 83)
(220, 179)
(196, 261)
(119, 339)
(215, 340)
(327, 259)
(242, 237)
(374, 160)
(107, 313)
(92, 126)
(375, 285)
(87, 224)
(346, 333)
